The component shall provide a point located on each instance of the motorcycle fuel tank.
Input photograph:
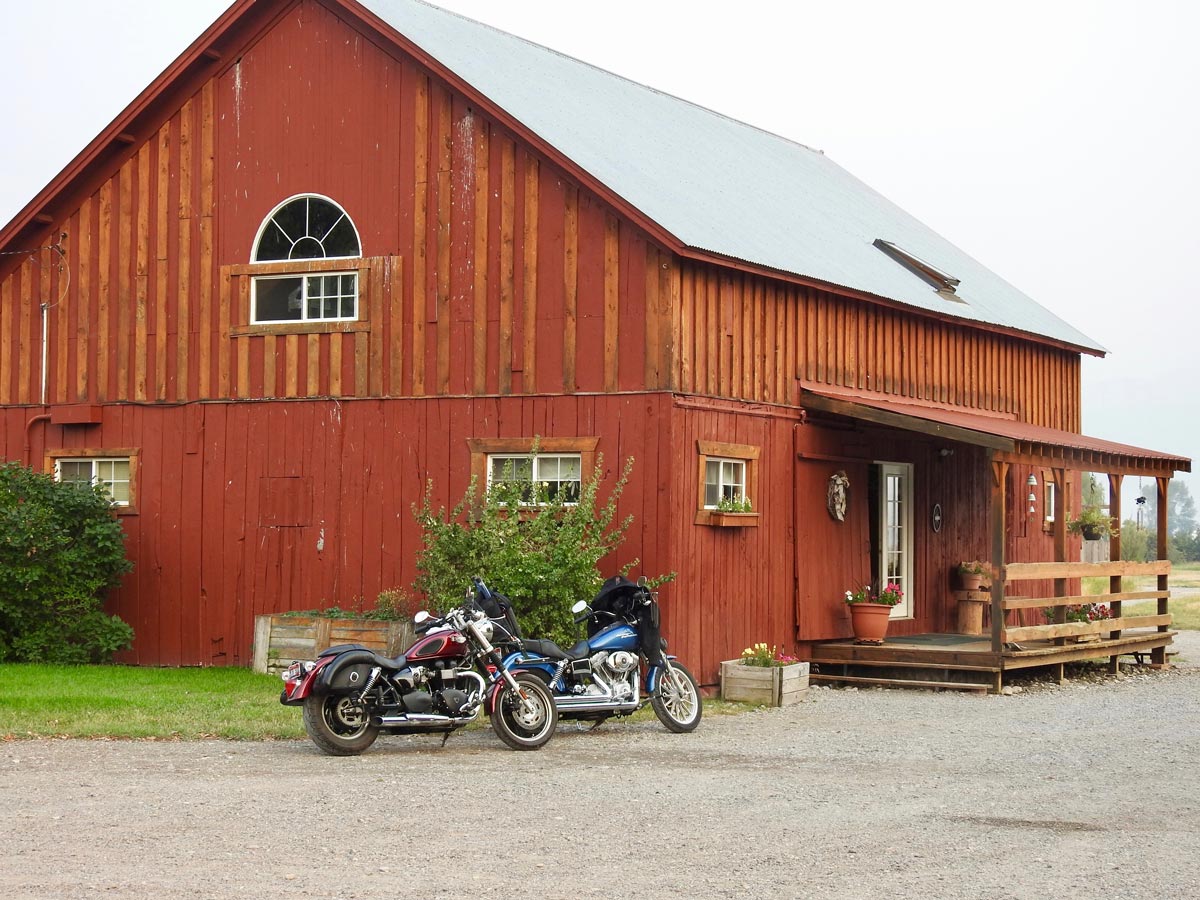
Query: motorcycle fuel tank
(447, 645)
(618, 636)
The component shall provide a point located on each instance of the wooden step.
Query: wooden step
(892, 663)
(903, 682)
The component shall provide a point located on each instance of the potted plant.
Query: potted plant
(735, 510)
(870, 611)
(764, 675)
(1093, 523)
(971, 574)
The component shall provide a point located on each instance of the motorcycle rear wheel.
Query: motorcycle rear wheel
(338, 725)
(520, 727)
(676, 699)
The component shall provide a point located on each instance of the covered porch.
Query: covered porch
(1024, 609)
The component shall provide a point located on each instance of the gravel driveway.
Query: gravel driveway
(1085, 790)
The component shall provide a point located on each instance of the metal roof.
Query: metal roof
(994, 430)
(717, 184)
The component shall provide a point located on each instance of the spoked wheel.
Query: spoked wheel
(676, 699)
(524, 720)
(338, 725)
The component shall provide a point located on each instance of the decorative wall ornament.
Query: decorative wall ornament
(935, 518)
(837, 495)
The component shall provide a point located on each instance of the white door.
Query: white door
(896, 532)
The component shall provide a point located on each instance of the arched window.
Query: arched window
(307, 227)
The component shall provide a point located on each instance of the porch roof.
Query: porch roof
(1008, 439)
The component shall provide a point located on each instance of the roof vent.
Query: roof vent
(944, 284)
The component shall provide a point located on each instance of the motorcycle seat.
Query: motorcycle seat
(545, 648)
(386, 662)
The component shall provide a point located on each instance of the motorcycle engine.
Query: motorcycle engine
(622, 662)
(453, 701)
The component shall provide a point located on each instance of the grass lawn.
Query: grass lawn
(1184, 606)
(145, 703)
(127, 702)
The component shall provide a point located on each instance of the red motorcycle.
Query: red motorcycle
(350, 694)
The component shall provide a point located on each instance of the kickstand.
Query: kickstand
(599, 722)
(445, 737)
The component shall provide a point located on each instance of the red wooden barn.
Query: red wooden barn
(341, 247)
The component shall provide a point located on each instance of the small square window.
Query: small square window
(724, 479)
(114, 473)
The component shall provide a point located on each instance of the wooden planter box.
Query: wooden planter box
(769, 685)
(280, 639)
(733, 520)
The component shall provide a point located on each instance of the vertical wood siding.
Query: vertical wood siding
(488, 271)
(252, 508)
(748, 338)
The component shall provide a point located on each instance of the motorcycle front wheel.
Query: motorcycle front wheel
(676, 699)
(338, 725)
(528, 724)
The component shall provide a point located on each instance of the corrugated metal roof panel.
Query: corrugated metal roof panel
(717, 184)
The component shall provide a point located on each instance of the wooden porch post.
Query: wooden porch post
(1158, 656)
(1114, 554)
(999, 483)
(1060, 554)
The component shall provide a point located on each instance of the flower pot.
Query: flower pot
(970, 582)
(769, 685)
(1091, 532)
(869, 621)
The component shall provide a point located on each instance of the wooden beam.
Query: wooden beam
(907, 423)
(1159, 655)
(1034, 571)
(999, 485)
(1079, 599)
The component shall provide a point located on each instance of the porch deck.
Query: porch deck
(963, 661)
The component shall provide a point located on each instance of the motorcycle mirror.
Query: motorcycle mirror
(421, 617)
(643, 581)
(579, 607)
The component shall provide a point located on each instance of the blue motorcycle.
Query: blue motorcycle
(602, 675)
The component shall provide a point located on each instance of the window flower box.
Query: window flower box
(733, 519)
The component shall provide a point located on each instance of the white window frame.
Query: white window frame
(900, 526)
(538, 461)
(303, 278)
(96, 479)
(737, 489)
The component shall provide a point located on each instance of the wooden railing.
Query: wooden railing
(1110, 627)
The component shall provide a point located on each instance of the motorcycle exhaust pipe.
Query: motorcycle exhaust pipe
(575, 704)
(418, 719)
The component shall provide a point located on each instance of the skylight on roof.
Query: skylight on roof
(940, 281)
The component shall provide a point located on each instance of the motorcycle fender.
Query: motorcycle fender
(525, 662)
(294, 693)
(348, 672)
(652, 677)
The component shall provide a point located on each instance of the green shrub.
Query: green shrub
(60, 550)
(392, 604)
(539, 551)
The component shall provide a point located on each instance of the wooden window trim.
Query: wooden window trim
(238, 277)
(749, 454)
(481, 448)
(129, 453)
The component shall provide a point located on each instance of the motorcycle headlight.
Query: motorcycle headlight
(485, 628)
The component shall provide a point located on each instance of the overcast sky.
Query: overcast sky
(1057, 142)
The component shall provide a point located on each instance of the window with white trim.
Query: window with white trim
(724, 479)
(557, 476)
(301, 229)
(114, 474)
